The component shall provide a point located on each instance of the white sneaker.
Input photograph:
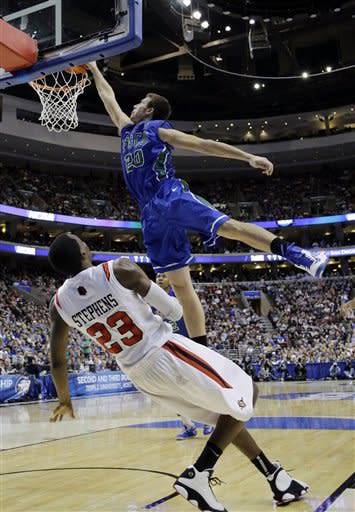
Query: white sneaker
(194, 486)
(285, 488)
(313, 262)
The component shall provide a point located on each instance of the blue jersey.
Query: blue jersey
(146, 160)
(168, 209)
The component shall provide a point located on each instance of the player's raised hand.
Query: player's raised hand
(260, 162)
(61, 410)
(92, 66)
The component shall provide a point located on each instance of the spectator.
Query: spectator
(334, 371)
(349, 370)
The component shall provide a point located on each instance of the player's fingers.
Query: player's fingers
(60, 417)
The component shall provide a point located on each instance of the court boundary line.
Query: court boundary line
(348, 484)
(156, 421)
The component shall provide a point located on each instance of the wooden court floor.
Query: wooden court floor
(120, 454)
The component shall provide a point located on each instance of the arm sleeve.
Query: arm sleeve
(151, 129)
(168, 306)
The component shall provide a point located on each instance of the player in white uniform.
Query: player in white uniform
(111, 304)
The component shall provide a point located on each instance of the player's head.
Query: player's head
(162, 281)
(69, 255)
(153, 106)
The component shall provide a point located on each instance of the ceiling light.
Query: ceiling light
(305, 74)
(337, 9)
(211, 4)
(328, 69)
(313, 15)
(286, 123)
(228, 28)
(245, 18)
(197, 15)
(251, 21)
(256, 85)
(226, 13)
(186, 3)
(289, 19)
(267, 20)
(219, 58)
(205, 24)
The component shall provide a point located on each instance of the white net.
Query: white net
(59, 95)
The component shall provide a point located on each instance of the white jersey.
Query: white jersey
(118, 319)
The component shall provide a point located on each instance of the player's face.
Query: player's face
(163, 281)
(141, 110)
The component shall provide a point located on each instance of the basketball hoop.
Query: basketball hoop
(59, 95)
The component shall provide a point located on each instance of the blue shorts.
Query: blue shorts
(166, 220)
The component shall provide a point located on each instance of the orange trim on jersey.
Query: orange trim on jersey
(57, 300)
(195, 361)
(106, 270)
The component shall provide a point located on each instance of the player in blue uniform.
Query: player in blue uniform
(169, 210)
(188, 427)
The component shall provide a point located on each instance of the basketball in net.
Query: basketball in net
(59, 94)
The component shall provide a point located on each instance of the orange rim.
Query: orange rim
(76, 70)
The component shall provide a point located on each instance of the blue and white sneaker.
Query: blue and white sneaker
(195, 487)
(285, 488)
(312, 262)
(207, 430)
(187, 433)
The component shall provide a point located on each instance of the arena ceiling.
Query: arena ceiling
(198, 69)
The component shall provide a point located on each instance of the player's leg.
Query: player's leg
(260, 238)
(284, 488)
(194, 315)
(188, 431)
(194, 213)
(194, 318)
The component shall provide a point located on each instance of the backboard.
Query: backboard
(72, 33)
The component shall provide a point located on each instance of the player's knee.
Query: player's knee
(231, 228)
(255, 393)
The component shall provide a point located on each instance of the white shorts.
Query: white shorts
(194, 381)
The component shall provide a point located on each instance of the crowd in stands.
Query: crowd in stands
(303, 325)
(105, 195)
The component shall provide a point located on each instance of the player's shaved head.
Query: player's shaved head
(65, 254)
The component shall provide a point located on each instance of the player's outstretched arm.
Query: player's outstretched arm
(118, 117)
(213, 148)
(131, 276)
(58, 341)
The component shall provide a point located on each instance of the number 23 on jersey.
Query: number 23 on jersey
(123, 325)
